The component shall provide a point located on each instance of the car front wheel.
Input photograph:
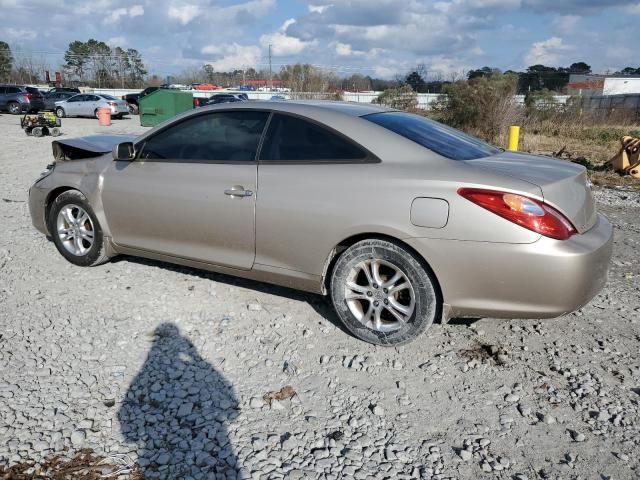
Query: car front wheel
(75, 230)
(383, 294)
(60, 112)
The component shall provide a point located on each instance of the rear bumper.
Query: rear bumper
(547, 278)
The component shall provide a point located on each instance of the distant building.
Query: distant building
(603, 85)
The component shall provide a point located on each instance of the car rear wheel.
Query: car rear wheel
(383, 294)
(60, 112)
(133, 108)
(75, 230)
(14, 108)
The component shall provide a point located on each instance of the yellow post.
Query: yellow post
(514, 138)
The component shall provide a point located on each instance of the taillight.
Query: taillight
(524, 211)
(29, 96)
(113, 104)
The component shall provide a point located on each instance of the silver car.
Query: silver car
(402, 221)
(87, 105)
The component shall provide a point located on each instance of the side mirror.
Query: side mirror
(124, 152)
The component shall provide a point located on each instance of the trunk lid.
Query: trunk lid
(564, 185)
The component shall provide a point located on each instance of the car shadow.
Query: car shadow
(176, 412)
(321, 305)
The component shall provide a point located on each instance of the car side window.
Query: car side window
(3, 90)
(221, 136)
(77, 98)
(13, 90)
(295, 139)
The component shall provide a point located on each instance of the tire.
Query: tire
(372, 311)
(55, 132)
(133, 108)
(60, 112)
(14, 108)
(95, 114)
(71, 204)
(37, 132)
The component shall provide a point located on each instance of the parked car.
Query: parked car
(401, 220)
(51, 98)
(133, 99)
(20, 99)
(87, 105)
(224, 98)
(64, 89)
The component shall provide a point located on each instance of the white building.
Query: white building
(603, 85)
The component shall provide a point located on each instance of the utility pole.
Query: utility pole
(270, 72)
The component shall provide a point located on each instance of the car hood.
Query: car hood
(563, 184)
(87, 147)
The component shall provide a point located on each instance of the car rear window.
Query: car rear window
(439, 138)
(34, 91)
(108, 97)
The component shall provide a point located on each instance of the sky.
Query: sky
(380, 38)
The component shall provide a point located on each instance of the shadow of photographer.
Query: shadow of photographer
(176, 411)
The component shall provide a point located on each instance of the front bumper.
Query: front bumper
(547, 278)
(37, 205)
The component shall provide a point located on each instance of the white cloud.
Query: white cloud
(118, 13)
(232, 56)
(21, 33)
(318, 8)
(549, 52)
(282, 44)
(184, 13)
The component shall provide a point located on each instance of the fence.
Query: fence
(604, 104)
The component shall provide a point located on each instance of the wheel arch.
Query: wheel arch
(52, 195)
(340, 247)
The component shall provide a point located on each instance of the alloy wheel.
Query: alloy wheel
(379, 295)
(75, 229)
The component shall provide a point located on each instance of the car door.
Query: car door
(71, 106)
(3, 98)
(309, 176)
(190, 192)
(86, 105)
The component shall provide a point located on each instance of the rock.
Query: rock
(466, 455)
(524, 410)
(511, 398)
(78, 438)
(577, 436)
(256, 402)
(254, 307)
(377, 410)
(184, 409)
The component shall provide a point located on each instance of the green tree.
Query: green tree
(137, 70)
(416, 82)
(482, 72)
(77, 58)
(580, 68)
(6, 61)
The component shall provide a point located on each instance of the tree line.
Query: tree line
(533, 79)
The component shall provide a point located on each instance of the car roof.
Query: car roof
(298, 106)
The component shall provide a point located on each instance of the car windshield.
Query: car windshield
(439, 138)
(108, 97)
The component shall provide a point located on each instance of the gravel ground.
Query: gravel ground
(197, 375)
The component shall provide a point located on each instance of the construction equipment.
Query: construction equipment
(41, 124)
(627, 160)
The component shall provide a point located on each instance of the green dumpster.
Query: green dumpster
(163, 104)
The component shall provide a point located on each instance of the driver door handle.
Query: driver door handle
(238, 191)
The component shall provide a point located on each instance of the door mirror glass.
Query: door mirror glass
(124, 152)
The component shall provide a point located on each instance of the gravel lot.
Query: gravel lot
(184, 372)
